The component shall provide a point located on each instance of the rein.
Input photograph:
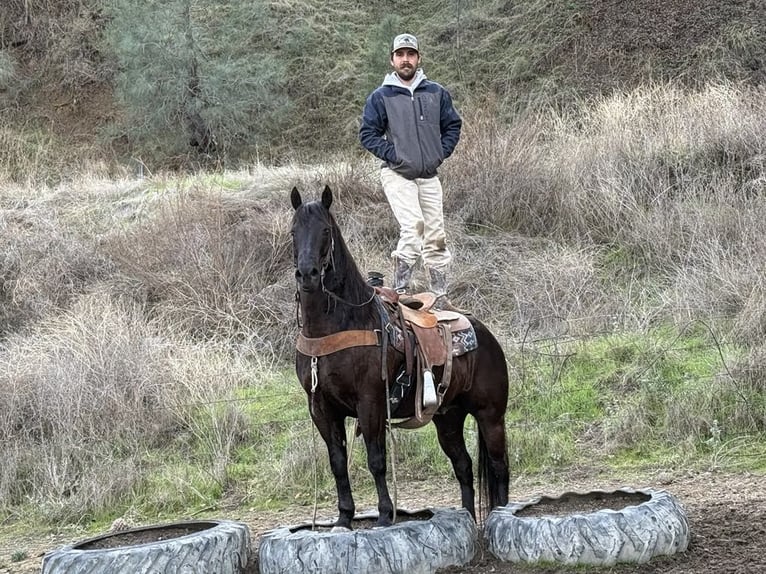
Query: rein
(342, 300)
(329, 263)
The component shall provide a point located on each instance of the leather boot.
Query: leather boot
(438, 286)
(402, 275)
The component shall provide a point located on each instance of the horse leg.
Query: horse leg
(493, 457)
(333, 431)
(449, 429)
(374, 433)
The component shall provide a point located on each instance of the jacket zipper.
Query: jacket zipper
(417, 128)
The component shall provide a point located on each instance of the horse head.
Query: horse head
(313, 232)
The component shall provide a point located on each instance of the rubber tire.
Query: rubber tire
(448, 538)
(218, 547)
(658, 526)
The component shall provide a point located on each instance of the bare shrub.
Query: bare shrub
(627, 424)
(8, 78)
(203, 399)
(715, 410)
(43, 266)
(717, 262)
(62, 36)
(213, 268)
(746, 381)
(495, 180)
(84, 394)
(519, 284)
(625, 157)
(28, 154)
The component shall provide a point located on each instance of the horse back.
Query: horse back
(480, 377)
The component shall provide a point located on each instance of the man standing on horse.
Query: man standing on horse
(409, 123)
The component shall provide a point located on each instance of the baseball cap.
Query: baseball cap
(405, 41)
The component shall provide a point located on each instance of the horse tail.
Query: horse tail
(492, 487)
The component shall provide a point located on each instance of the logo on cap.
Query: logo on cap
(405, 41)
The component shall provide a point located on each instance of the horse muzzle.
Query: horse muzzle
(309, 279)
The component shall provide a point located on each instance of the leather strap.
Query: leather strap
(321, 346)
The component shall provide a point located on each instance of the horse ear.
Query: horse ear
(295, 198)
(327, 197)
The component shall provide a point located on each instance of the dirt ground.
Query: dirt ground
(727, 515)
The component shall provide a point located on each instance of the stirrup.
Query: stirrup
(429, 390)
(375, 278)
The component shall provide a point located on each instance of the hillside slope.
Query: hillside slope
(57, 75)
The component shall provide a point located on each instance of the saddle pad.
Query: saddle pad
(457, 321)
(464, 341)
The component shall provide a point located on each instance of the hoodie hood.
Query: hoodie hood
(392, 79)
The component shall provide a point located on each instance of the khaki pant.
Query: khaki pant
(417, 207)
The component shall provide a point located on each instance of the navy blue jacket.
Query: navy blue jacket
(412, 129)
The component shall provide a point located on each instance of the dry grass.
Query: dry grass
(135, 312)
(80, 397)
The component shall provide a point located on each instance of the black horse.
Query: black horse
(337, 303)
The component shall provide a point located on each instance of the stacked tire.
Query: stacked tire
(205, 547)
(636, 533)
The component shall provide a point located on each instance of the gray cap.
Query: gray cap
(405, 41)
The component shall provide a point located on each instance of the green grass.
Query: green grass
(613, 399)
(175, 486)
(623, 395)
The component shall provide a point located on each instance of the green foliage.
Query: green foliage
(499, 50)
(377, 58)
(176, 485)
(197, 74)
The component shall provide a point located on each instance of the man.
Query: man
(409, 122)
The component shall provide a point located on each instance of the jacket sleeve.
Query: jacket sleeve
(374, 122)
(450, 124)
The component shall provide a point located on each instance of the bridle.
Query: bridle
(327, 263)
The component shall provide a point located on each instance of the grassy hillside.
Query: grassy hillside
(62, 83)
